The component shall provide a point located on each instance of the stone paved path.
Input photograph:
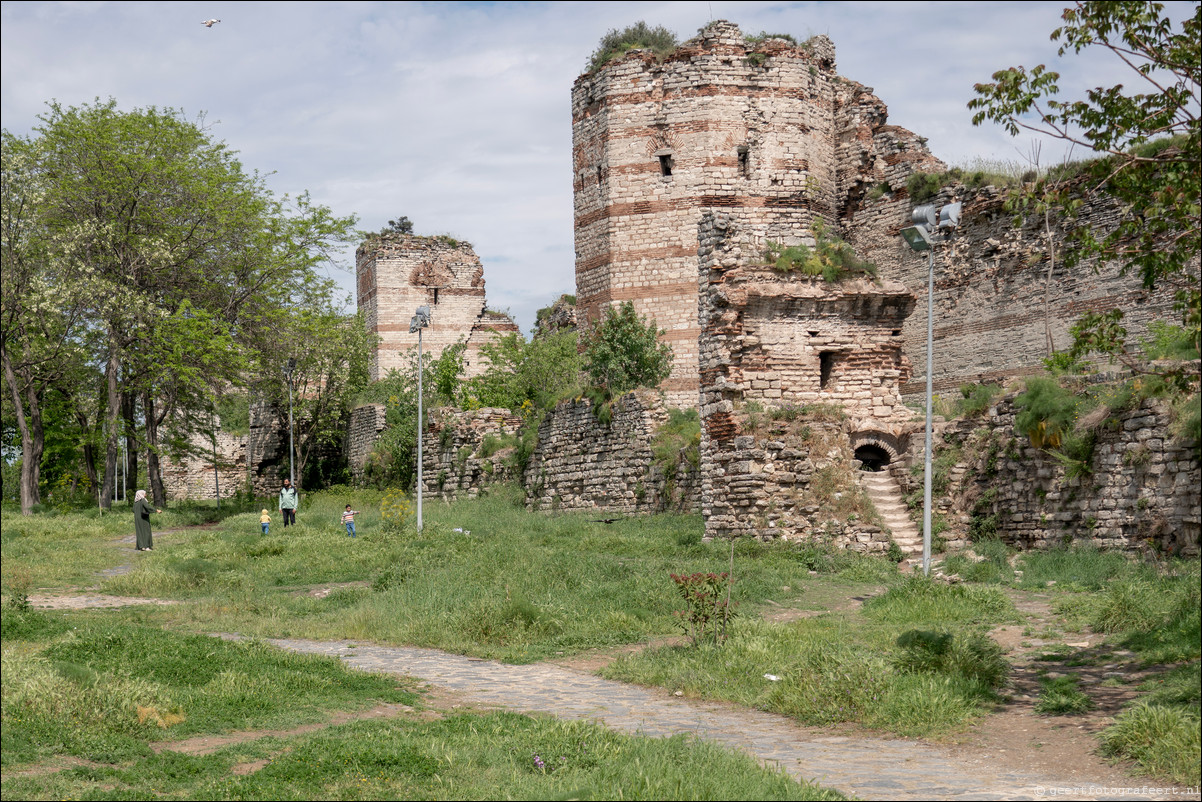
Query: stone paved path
(868, 768)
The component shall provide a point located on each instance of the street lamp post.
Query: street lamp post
(288, 369)
(419, 321)
(918, 237)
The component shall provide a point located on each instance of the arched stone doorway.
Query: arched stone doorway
(876, 450)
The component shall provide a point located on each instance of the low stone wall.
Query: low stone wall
(1143, 489)
(367, 423)
(193, 477)
(454, 465)
(580, 463)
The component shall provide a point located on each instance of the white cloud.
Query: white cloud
(457, 115)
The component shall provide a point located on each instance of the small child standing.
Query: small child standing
(348, 518)
(264, 521)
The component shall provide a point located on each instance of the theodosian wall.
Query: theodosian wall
(397, 273)
(581, 463)
(1144, 486)
(1003, 297)
(793, 369)
(465, 451)
(767, 128)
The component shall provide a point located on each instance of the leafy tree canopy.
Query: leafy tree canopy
(1150, 144)
(623, 351)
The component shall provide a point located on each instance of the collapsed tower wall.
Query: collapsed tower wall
(794, 370)
(397, 273)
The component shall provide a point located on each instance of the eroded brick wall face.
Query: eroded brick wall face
(397, 273)
(792, 369)
(767, 129)
(366, 425)
(998, 307)
(454, 464)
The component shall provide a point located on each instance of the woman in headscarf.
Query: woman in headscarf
(142, 512)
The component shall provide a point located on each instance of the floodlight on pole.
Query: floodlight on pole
(418, 322)
(926, 219)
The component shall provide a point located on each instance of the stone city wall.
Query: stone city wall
(1003, 298)
(463, 453)
(258, 459)
(580, 463)
(793, 368)
(1144, 485)
(366, 425)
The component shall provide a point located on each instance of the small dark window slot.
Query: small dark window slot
(665, 164)
(744, 161)
(897, 332)
(826, 362)
(813, 333)
(436, 295)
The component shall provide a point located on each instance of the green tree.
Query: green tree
(181, 264)
(1149, 146)
(623, 351)
(537, 373)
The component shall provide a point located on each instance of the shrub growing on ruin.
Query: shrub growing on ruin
(831, 257)
(639, 36)
(623, 351)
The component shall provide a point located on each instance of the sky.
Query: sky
(457, 115)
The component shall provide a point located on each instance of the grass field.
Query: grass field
(487, 578)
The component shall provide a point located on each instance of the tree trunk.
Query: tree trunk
(128, 409)
(112, 412)
(89, 452)
(32, 435)
(153, 469)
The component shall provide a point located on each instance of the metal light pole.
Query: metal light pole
(288, 369)
(417, 323)
(918, 237)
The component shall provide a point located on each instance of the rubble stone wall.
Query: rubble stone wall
(455, 464)
(366, 425)
(1144, 486)
(580, 463)
(1003, 297)
(193, 477)
(793, 369)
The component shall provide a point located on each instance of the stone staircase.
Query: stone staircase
(887, 498)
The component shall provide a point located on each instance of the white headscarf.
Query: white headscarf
(139, 496)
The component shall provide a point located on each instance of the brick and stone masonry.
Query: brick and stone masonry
(397, 273)
(768, 129)
(793, 369)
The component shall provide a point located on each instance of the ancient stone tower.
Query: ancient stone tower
(766, 128)
(396, 273)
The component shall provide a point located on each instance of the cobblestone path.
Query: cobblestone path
(868, 768)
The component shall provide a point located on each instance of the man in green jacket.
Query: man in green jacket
(288, 503)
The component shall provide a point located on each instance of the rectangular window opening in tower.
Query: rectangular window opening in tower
(665, 164)
(826, 361)
(744, 161)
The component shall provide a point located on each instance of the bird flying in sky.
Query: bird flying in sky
(209, 23)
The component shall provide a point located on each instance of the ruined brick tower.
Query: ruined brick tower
(765, 128)
(396, 273)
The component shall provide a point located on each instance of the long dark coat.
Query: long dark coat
(142, 512)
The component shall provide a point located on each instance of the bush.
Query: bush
(639, 36)
(831, 257)
(1047, 411)
(975, 657)
(623, 351)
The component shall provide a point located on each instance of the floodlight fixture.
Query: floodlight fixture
(949, 216)
(917, 237)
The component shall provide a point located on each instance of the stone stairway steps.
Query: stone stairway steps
(886, 496)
